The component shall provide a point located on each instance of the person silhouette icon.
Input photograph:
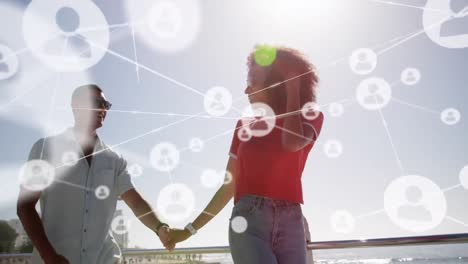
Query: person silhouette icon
(373, 97)
(259, 123)
(458, 24)
(363, 63)
(176, 206)
(4, 68)
(37, 176)
(244, 134)
(414, 210)
(165, 159)
(166, 20)
(216, 103)
(450, 117)
(121, 227)
(410, 77)
(69, 43)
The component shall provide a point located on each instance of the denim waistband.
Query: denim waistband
(260, 200)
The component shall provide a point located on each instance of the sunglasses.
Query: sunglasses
(101, 103)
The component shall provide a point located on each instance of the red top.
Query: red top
(265, 168)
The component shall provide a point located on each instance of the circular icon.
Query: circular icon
(165, 20)
(447, 27)
(102, 192)
(211, 178)
(36, 175)
(410, 76)
(135, 170)
(176, 202)
(8, 62)
(310, 110)
(343, 222)
(464, 177)
(120, 225)
(239, 224)
(374, 93)
(333, 148)
(336, 109)
(70, 158)
(259, 118)
(165, 157)
(415, 203)
(217, 101)
(196, 145)
(244, 134)
(69, 36)
(450, 116)
(166, 25)
(363, 61)
(265, 55)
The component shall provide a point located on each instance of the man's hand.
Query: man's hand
(56, 259)
(178, 235)
(164, 237)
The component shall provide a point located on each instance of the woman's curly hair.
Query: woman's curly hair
(308, 78)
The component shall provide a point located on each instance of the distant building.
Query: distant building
(22, 237)
(120, 238)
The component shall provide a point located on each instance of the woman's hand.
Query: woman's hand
(178, 235)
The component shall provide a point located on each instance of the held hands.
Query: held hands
(164, 237)
(171, 236)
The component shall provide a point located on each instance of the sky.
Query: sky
(155, 83)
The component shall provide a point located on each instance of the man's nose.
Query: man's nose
(247, 90)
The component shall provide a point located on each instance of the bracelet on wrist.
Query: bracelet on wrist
(159, 227)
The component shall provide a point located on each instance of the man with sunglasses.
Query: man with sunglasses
(76, 214)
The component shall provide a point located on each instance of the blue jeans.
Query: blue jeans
(274, 234)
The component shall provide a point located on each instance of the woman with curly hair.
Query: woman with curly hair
(267, 224)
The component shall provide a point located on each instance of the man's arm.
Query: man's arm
(146, 214)
(26, 210)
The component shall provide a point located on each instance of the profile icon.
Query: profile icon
(165, 19)
(102, 192)
(196, 145)
(448, 27)
(244, 134)
(450, 116)
(363, 61)
(69, 36)
(333, 148)
(68, 43)
(458, 24)
(176, 202)
(258, 119)
(310, 110)
(36, 175)
(415, 203)
(410, 76)
(414, 209)
(373, 96)
(217, 101)
(373, 93)
(164, 157)
(120, 225)
(259, 122)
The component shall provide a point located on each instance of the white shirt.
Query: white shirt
(76, 222)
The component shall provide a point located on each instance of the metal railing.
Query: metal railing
(320, 245)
